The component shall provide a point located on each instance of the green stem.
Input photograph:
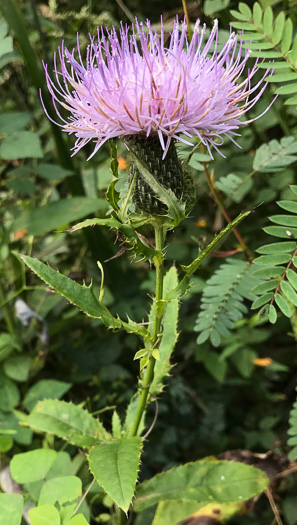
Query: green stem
(149, 375)
(8, 313)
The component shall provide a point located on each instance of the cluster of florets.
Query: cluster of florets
(135, 83)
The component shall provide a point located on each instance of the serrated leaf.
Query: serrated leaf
(289, 292)
(115, 467)
(272, 315)
(32, 466)
(67, 421)
(82, 296)
(208, 479)
(283, 305)
(116, 425)
(170, 334)
(11, 507)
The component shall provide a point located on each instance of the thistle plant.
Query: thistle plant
(152, 93)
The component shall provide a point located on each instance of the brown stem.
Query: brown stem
(225, 213)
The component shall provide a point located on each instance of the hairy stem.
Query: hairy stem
(149, 374)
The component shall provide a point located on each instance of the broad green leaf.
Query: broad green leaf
(21, 145)
(45, 389)
(9, 394)
(174, 511)
(78, 519)
(67, 421)
(206, 480)
(60, 490)
(292, 278)
(115, 467)
(10, 422)
(278, 247)
(55, 215)
(243, 25)
(268, 260)
(283, 305)
(6, 443)
(11, 508)
(32, 466)
(82, 296)
(289, 292)
(44, 515)
(61, 467)
(169, 337)
(14, 121)
(18, 367)
(272, 314)
(52, 172)
(266, 54)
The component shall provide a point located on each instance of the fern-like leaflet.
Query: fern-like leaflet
(278, 261)
(292, 441)
(222, 300)
(270, 37)
(269, 158)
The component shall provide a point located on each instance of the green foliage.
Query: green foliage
(222, 300)
(271, 38)
(45, 389)
(115, 467)
(70, 422)
(203, 481)
(292, 432)
(278, 280)
(32, 466)
(11, 507)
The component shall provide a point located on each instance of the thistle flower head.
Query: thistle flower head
(136, 84)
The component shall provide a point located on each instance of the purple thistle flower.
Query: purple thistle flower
(134, 84)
